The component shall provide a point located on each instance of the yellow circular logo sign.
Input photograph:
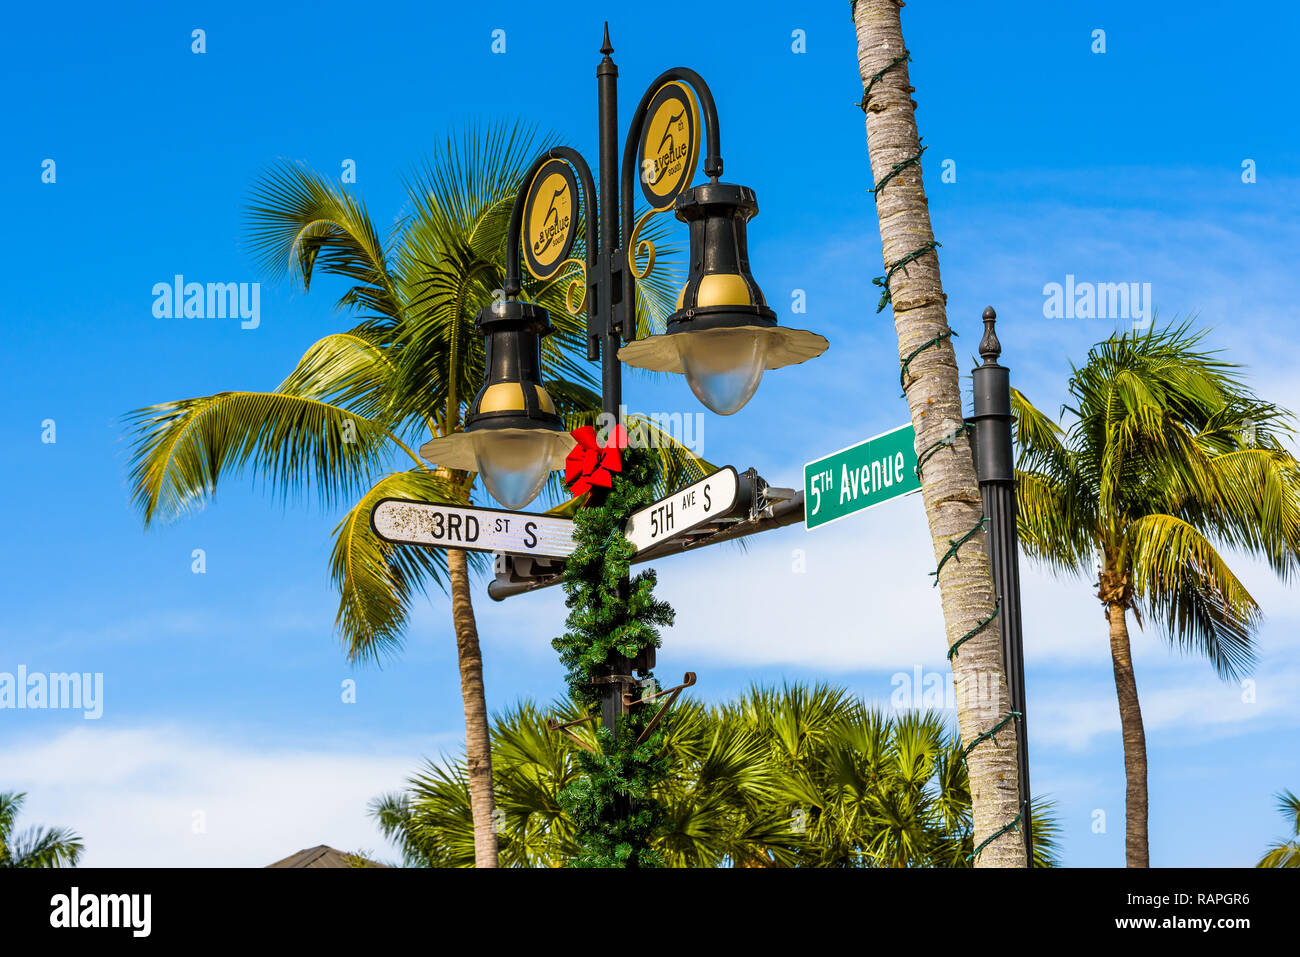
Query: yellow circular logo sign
(550, 218)
(670, 145)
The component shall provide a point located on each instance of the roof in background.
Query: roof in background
(322, 855)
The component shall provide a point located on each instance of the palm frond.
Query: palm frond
(1285, 853)
(291, 442)
(43, 847)
(299, 222)
(11, 803)
(1037, 436)
(1288, 805)
(1281, 854)
(1046, 833)
(1256, 507)
(35, 847)
(348, 369)
(1184, 582)
(1053, 525)
(376, 580)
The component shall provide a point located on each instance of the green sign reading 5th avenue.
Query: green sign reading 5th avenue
(860, 476)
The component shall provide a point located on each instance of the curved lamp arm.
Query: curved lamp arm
(574, 159)
(712, 168)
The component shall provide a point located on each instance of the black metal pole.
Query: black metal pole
(610, 273)
(609, 307)
(996, 467)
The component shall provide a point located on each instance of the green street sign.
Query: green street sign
(860, 476)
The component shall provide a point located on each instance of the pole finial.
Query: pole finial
(990, 347)
(606, 48)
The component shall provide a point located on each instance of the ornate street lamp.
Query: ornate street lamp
(722, 336)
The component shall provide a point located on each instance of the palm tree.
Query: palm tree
(1285, 853)
(796, 777)
(35, 847)
(948, 483)
(1168, 458)
(358, 400)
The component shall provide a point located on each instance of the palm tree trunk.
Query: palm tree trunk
(478, 743)
(948, 483)
(1136, 850)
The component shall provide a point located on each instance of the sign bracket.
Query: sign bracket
(670, 693)
(553, 725)
(764, 507)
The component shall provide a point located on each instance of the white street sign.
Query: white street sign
(686, 508)
(475, 529)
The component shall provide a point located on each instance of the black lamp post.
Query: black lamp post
(722, 336)
(996, 468)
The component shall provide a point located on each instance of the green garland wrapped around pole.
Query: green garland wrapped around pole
(611, 806)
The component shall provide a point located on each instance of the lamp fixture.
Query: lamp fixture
(513, 436)
(723, 335)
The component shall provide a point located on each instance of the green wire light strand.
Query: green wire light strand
(984, 623)
(1013, 826)
(875, 78)
(991, 732)
(902, 372)
(887, 295)
(1010, 716)
(953, 545)
(898, 168)
(945, 442)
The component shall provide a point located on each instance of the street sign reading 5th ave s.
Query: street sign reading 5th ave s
(860, 476)
(685, 509)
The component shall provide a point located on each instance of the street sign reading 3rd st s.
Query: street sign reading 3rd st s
(710, 497)
(474, 529)
(860, 476)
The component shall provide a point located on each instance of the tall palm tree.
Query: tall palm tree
(793, 777)
(1167, 458)
(358, 400)
(35, 847)
(949, 486)
(1285, 853)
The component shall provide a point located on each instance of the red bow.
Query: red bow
(589, 465)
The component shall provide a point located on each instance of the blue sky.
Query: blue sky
(222, 690)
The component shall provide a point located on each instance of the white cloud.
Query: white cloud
(1073, 715)
(134, 794)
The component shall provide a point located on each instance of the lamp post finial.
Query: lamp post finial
(990, 347)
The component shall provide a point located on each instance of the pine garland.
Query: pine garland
(611, 807)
